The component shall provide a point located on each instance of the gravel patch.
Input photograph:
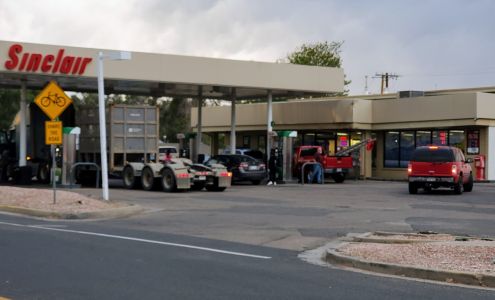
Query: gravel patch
(414, 237)
(42, 199)
(476, 256)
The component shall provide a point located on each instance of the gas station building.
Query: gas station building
(399, 122)
(31, 66)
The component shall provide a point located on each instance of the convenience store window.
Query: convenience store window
(356, 137)
(406, 147)
(439, 138)
(423, 138)
(473, 142)
(399, 145)
(342, 141)
(456, 139)
(391, 153)
(309, 139)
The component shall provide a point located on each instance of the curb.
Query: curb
(331, 256)
(119, 212)
(382, 238)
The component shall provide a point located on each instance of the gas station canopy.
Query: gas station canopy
(74, 69)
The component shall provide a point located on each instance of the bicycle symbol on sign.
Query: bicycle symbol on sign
(53, 98)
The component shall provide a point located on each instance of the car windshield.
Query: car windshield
(308, 152)
(245, 158)
(212, 161)
(432, 155)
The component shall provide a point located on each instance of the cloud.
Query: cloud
(431, 43)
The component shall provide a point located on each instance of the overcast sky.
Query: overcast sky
(431, 44)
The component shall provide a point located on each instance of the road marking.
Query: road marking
(140, 240)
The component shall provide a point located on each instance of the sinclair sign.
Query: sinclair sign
(49, 63)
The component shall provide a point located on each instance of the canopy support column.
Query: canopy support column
(22, 129)
(232, 123)
(200, 124)
(269, 127)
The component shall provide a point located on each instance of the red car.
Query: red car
(432, 167)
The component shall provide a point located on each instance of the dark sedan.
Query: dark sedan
(243, 167)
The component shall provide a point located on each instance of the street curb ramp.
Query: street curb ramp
(335, 258)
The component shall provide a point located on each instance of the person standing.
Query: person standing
(272, 167)
(317, 170)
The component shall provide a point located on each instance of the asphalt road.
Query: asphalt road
(86, 260)
(239, 244)
(299, 217)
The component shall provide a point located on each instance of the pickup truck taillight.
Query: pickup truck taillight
(454, 170)
(409, 169)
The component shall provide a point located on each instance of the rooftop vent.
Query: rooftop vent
(411, 94)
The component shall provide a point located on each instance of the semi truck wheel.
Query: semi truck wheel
(147, 179)
(130, 180)
(168, 181)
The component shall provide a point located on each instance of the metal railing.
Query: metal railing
(74, 166)
(312, 163)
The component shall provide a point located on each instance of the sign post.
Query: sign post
(53, 137)
(52, 100)
(54, 178)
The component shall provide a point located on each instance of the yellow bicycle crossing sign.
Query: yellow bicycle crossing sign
(52, 100)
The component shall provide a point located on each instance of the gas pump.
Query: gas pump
(70, 146)
(479, 164)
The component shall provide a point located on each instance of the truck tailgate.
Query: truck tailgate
(333, 162)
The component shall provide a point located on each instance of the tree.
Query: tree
(9, 105)
(323, 54)
(174, 118)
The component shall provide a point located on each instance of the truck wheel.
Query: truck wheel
(168, 181)
(130, 181)
(413, 188)
(458, 188)
(468, 187)
(3, 174)
(198, 186)
(43, 175)
(147, 179)
(338, 177)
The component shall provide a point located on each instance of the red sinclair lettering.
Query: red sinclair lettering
(32, 62)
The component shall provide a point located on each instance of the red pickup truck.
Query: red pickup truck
(432, 167)
(335, 166)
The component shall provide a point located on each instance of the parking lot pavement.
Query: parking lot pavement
(297, 217)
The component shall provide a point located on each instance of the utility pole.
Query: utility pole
(366, 91)
(384, 80)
